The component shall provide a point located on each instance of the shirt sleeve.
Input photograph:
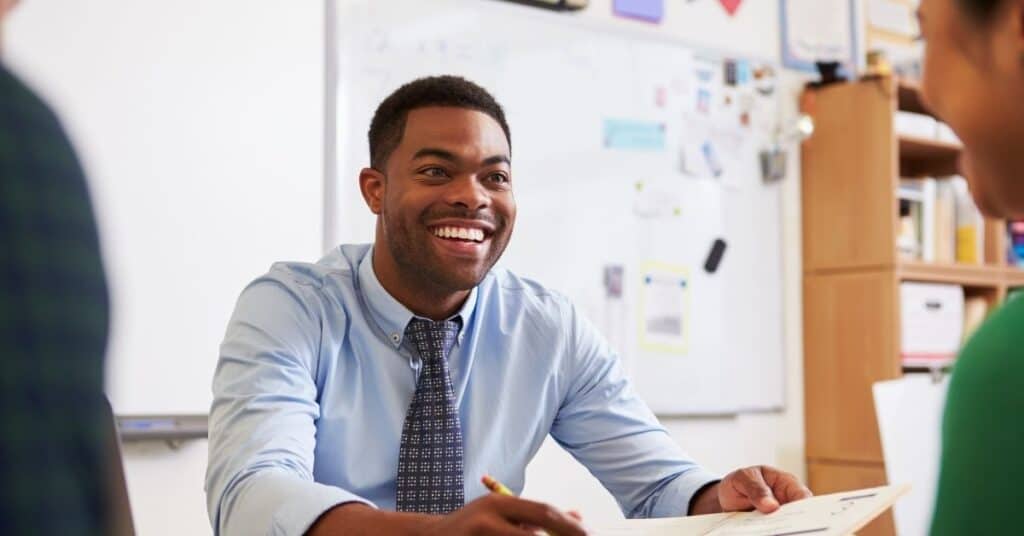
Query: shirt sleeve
(605, 426)
(262, 423)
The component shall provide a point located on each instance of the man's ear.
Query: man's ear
(372, 184)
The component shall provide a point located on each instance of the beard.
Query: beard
(419, 260)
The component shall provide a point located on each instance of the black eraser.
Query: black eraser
(715, 256)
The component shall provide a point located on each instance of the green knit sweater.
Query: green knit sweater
(982, 469)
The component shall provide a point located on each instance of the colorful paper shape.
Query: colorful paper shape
(646, 10)
(731, 6)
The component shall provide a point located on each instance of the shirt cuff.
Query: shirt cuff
(306, 502)
(674, 499)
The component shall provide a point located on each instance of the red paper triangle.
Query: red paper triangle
(731, 5)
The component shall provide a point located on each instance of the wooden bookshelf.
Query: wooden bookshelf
(852, 271)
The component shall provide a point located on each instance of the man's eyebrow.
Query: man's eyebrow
(438, 153)
(449, 156)
(496, 159)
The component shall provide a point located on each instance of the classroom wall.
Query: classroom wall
(166, 483)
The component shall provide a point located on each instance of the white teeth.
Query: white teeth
(463, 233)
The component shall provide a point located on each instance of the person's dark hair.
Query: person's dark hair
(388, 124)
(981, 10)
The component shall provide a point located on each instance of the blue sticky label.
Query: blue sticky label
(634, 135)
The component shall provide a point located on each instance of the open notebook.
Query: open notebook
(838, 514)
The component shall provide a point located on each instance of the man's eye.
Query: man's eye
(498, 178)
(435, 172)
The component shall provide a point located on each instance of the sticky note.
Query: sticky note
(634, 135)
(647, 10)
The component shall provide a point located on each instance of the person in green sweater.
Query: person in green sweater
(974, 81)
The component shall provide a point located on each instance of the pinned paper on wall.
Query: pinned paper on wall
(818, 30)
(656, 200)
(711, 159)
(634, 135)
(664, 308)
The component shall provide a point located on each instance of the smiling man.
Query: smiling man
(369, 392)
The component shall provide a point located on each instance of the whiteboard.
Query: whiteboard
(597, 183)
(201, 142)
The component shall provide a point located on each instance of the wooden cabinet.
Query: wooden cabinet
(852, 272)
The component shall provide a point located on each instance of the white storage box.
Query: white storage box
(932, 319)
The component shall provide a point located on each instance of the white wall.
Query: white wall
(50, 43)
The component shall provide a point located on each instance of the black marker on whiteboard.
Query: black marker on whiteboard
(715, 256)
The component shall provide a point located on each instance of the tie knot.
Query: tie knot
(433, 340)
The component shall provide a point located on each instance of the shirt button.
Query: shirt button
(395, 338)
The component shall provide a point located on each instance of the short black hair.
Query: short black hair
(388, 124)
(981, 10)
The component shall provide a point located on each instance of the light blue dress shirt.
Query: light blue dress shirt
(314, 381)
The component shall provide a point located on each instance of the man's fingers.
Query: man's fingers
(502, 527)
(522, 511)
(786, 486)
(752, 485)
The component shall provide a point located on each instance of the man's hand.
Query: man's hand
(491, 514)
(762, 488)
(506, 515)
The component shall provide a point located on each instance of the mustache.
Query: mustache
(482, 215)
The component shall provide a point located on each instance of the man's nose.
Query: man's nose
(467, 191)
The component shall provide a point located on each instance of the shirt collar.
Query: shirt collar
(388, 313)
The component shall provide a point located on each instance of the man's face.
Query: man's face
(445, 207)
(974, 81)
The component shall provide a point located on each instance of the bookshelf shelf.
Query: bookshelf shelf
(1014, 277)
(919, 157)
(968, 275)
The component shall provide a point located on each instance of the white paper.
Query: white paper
(893, 17)
(815, 32)
(664, 304)
(837, 514)
(909, 412)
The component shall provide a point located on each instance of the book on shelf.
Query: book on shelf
(975, 311)
(916, 202)
(939, 222)
(1015, 243)
(970, 225)
(945, 222)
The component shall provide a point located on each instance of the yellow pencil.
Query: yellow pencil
(495, 486)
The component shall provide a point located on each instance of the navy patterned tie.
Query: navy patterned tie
(430, 478)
